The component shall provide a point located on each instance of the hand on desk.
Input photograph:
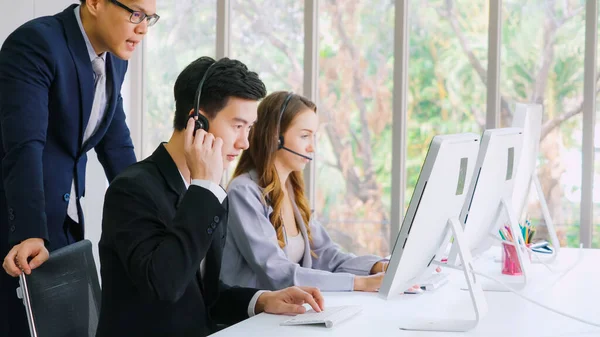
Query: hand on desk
(373, 281)
(382, 266)
(16, 259)
(289, 301)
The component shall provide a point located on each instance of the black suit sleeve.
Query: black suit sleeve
(232, 305)
(161, 260)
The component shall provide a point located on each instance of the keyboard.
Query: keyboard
(329, 317)
(434, 281)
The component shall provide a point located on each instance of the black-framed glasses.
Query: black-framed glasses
(138, 16)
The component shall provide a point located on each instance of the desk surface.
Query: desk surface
(576, 292)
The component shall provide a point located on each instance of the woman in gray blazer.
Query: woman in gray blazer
(272, 241)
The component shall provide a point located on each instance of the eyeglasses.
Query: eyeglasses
(138, 16)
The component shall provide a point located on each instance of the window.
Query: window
(446, 89)
(268, 36)
(542, 62)
(185, 32)
(596, 191)
(353, 178)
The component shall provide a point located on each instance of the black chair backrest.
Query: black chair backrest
(64, 293)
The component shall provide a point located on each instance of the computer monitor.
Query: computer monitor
(433, 214)
(529, 117)
(488, 204)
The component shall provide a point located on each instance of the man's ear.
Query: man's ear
(93, 6)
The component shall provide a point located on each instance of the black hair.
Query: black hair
(227, 78)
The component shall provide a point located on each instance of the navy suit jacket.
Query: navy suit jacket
(46, 96)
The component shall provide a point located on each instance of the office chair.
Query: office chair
(62, 296)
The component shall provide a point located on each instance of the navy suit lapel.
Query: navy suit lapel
(112, 91)
(81, 58)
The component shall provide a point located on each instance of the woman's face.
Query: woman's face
(300, 138)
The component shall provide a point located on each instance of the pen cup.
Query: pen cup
(510, 260)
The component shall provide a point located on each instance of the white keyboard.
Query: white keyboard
(329, 317)
(434, 281)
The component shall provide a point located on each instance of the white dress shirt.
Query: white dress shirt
(93, 122)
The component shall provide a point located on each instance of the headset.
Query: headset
(280, 142)
(201, 121)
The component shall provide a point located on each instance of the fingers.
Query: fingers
(9, 262)
(291, 309)
(200, 139)
(317, 295)
(22, 255)
(218, 144)
(40, 258)
(189, 134)
(208, 141)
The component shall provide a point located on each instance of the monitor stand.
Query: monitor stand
(474, 285)
(546, 214)
(519, 282)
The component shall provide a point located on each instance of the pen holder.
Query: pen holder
(510, 260)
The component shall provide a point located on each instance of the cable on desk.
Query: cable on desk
(527, 298)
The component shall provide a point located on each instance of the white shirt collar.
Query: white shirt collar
(187, 185)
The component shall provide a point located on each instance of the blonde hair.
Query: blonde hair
(260, 156)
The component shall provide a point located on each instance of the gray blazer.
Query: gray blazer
(252, 257)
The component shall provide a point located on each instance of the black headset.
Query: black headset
(201, 121)
(280, 144)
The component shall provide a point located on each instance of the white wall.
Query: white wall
(12, 15)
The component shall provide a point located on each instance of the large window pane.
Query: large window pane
(355, 106)
(596, 193)
(268, 36)
(186, 31)
(447, 68)
(542, 62)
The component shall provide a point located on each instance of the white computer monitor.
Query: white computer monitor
(488, 205)
(432, 214)
(492, 183)
(529, 117)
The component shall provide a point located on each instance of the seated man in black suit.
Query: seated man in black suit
(161, 244)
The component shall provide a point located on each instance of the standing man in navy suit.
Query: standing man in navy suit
(60, 84)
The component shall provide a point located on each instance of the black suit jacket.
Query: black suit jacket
(154, 236)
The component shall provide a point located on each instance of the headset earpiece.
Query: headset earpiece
(280, 144)
(201, 123)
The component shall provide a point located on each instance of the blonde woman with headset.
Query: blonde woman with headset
(273, 241)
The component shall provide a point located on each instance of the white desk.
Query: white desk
(577, 293)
